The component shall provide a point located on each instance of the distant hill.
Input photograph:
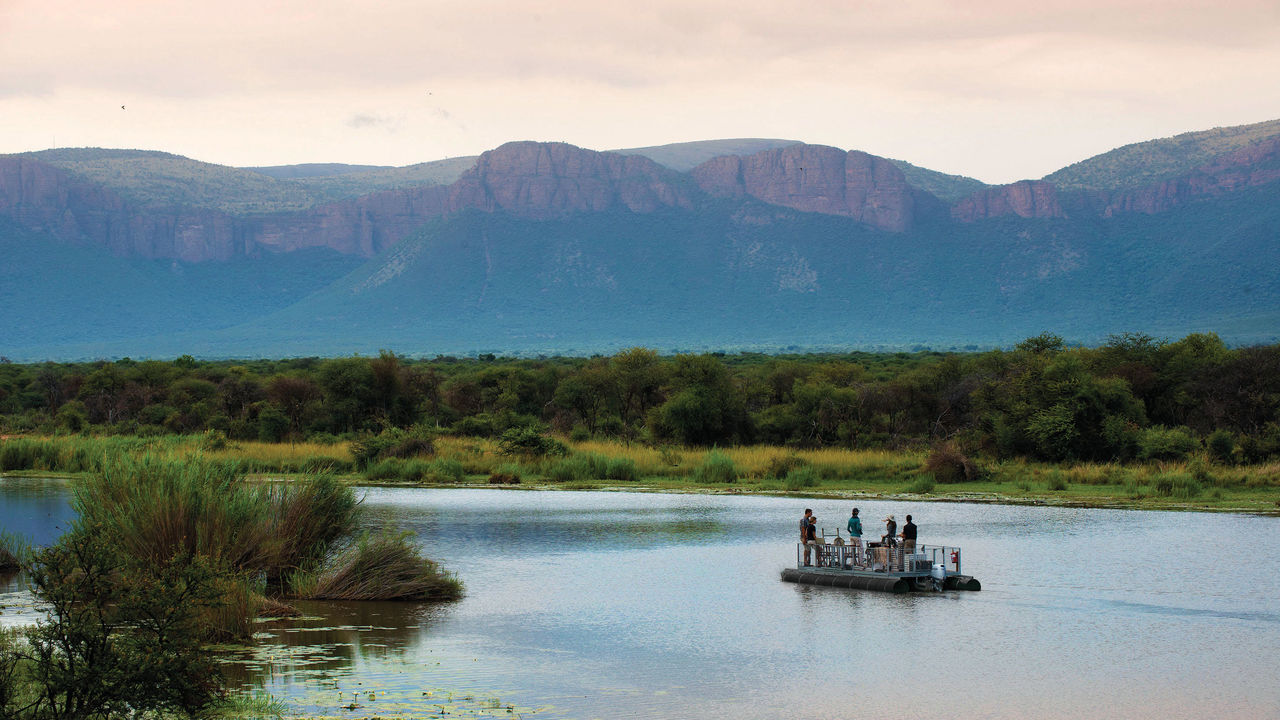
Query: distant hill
(313, 170)
(946, 187)
(160, 179)
(1152, 161)
(685, 156)
(546, 247)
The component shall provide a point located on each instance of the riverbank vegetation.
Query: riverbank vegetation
(1137, 421)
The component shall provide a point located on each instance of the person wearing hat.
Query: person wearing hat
(889, 541)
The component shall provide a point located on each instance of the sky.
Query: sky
(999, 90)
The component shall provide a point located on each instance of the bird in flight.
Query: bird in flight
(121, 107)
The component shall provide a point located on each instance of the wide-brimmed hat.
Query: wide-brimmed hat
(887, 519)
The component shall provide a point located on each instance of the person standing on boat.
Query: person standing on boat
(805, 532)
(889, 542)
(909, 535)
(855, 536)
(811, 541)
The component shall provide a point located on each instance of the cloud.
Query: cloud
(361, 121)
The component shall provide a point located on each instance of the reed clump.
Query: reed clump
(384, 566)
(13, 551)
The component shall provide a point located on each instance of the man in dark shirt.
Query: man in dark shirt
(909, 536)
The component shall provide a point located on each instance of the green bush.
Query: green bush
(1221, 445)
(780, 466)
(716, 468)
(798, 479)
(529, 442)
(121, 639)
(1056, 482)
(447, 470)
(1161, 443)
(575, 468)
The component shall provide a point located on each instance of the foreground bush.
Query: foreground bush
(378, 567)
(717, 468)
(122, 638)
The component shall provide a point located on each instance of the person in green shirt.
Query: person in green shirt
(855, 536)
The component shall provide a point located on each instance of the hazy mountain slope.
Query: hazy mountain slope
(364, 182)
(945, 187)
(752, 276)
(158, 179)
(313, 170)
(685, 156)
(1152, 161)
(58, 294)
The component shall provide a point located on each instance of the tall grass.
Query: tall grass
(385, 566)
(13, 551)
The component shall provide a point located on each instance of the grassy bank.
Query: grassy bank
(1194, 484)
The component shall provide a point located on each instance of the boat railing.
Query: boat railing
(841, 554)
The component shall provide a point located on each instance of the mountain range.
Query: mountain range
(542, 248)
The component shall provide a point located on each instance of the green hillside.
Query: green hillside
(159, 179)
(947, 187)
(1155, 160)
(363, 182)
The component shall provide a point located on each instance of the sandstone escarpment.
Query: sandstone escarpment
(816, 178)
(539, 180)
(1247, 167)
(1026, 198)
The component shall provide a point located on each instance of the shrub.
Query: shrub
(779, 466)
(528, 442)
(1160, 443)
(1222, 445)
(949, 465)
(716, 468)
(391, 443)
(1056, 481)
(122, 638)
(798, 479)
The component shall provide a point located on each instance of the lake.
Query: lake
(633, 605)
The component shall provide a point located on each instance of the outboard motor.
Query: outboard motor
(938, 573)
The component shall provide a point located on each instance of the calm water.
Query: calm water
(610, 605)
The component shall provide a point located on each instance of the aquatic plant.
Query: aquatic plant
(13, 551)
(384, 566)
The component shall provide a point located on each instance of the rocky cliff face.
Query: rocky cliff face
(540, 180)
(816, 178)
(1027, 198)
(1249, 166)
(532, 180)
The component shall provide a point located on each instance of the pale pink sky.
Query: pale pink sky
(999, 90)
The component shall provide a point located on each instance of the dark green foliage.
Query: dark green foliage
(120, 638)
(1160, 443)
(392, 443)
(529, 442)
(1221, 445)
